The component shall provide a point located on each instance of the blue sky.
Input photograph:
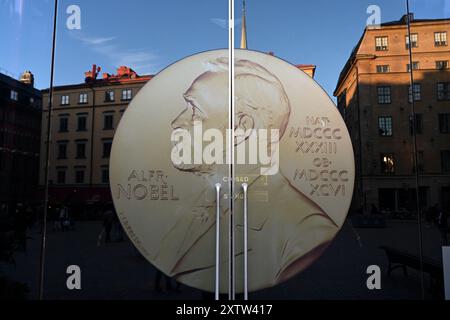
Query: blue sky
(148, 35)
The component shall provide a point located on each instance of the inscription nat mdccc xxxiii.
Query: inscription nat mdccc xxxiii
(320, 138)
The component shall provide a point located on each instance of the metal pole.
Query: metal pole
(360, 148)
(217, 292)
(47, 159)
(245, 187)
(231, 258)
(91, 160)
(414, 131)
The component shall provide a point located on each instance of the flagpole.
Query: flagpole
(47, 158)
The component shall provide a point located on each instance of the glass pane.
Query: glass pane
(129, 204)
(428, 128)
(26, 33)
(302, 244)
(340, 139)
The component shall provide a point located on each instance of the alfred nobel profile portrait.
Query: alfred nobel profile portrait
(287, 233)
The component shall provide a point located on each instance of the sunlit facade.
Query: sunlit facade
(374, 97)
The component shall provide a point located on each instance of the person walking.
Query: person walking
(442, 223)
(64, 218)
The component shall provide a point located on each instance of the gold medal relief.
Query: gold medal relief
(290, 146)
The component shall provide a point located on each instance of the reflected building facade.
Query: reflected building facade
(374, 97)
(20, 126)
(84, 119)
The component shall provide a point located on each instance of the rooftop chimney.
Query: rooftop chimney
(91, 76)
(404, 18)
(27, 78)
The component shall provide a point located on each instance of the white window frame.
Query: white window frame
(382, 43)
(127, 94)
(14, 95)
(441, 64)
(414, 40)
(65, 100)
(83, 98)
(385, 123)
(415, 66)
(440, 38)
(417, 89)
(382, 92)
(383, 68)
(77, 170)
(111, 96)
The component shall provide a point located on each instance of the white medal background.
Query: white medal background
(142, 142)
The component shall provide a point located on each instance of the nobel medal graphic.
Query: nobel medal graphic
(300, 180)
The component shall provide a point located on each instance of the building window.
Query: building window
(383, 68)
(62, 150)
(441, 65)
(109, 96)
(384, 94)
(61, 177)
(79, 176)
(414, 42)
(108, 121)
(416, 92)
(419, 124)
(385, 126)
(387, 163)
(415, 66)
(63, 124)
(440, 39)
(82, 123)
(381, 43)
(14, 95)
(83, 98)
(420, 163)
(81, 150)
(107, 148)
(443, 91)
(126, 94)
(65, 100)
(445, 160)
(105, 175)
(444, 123)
